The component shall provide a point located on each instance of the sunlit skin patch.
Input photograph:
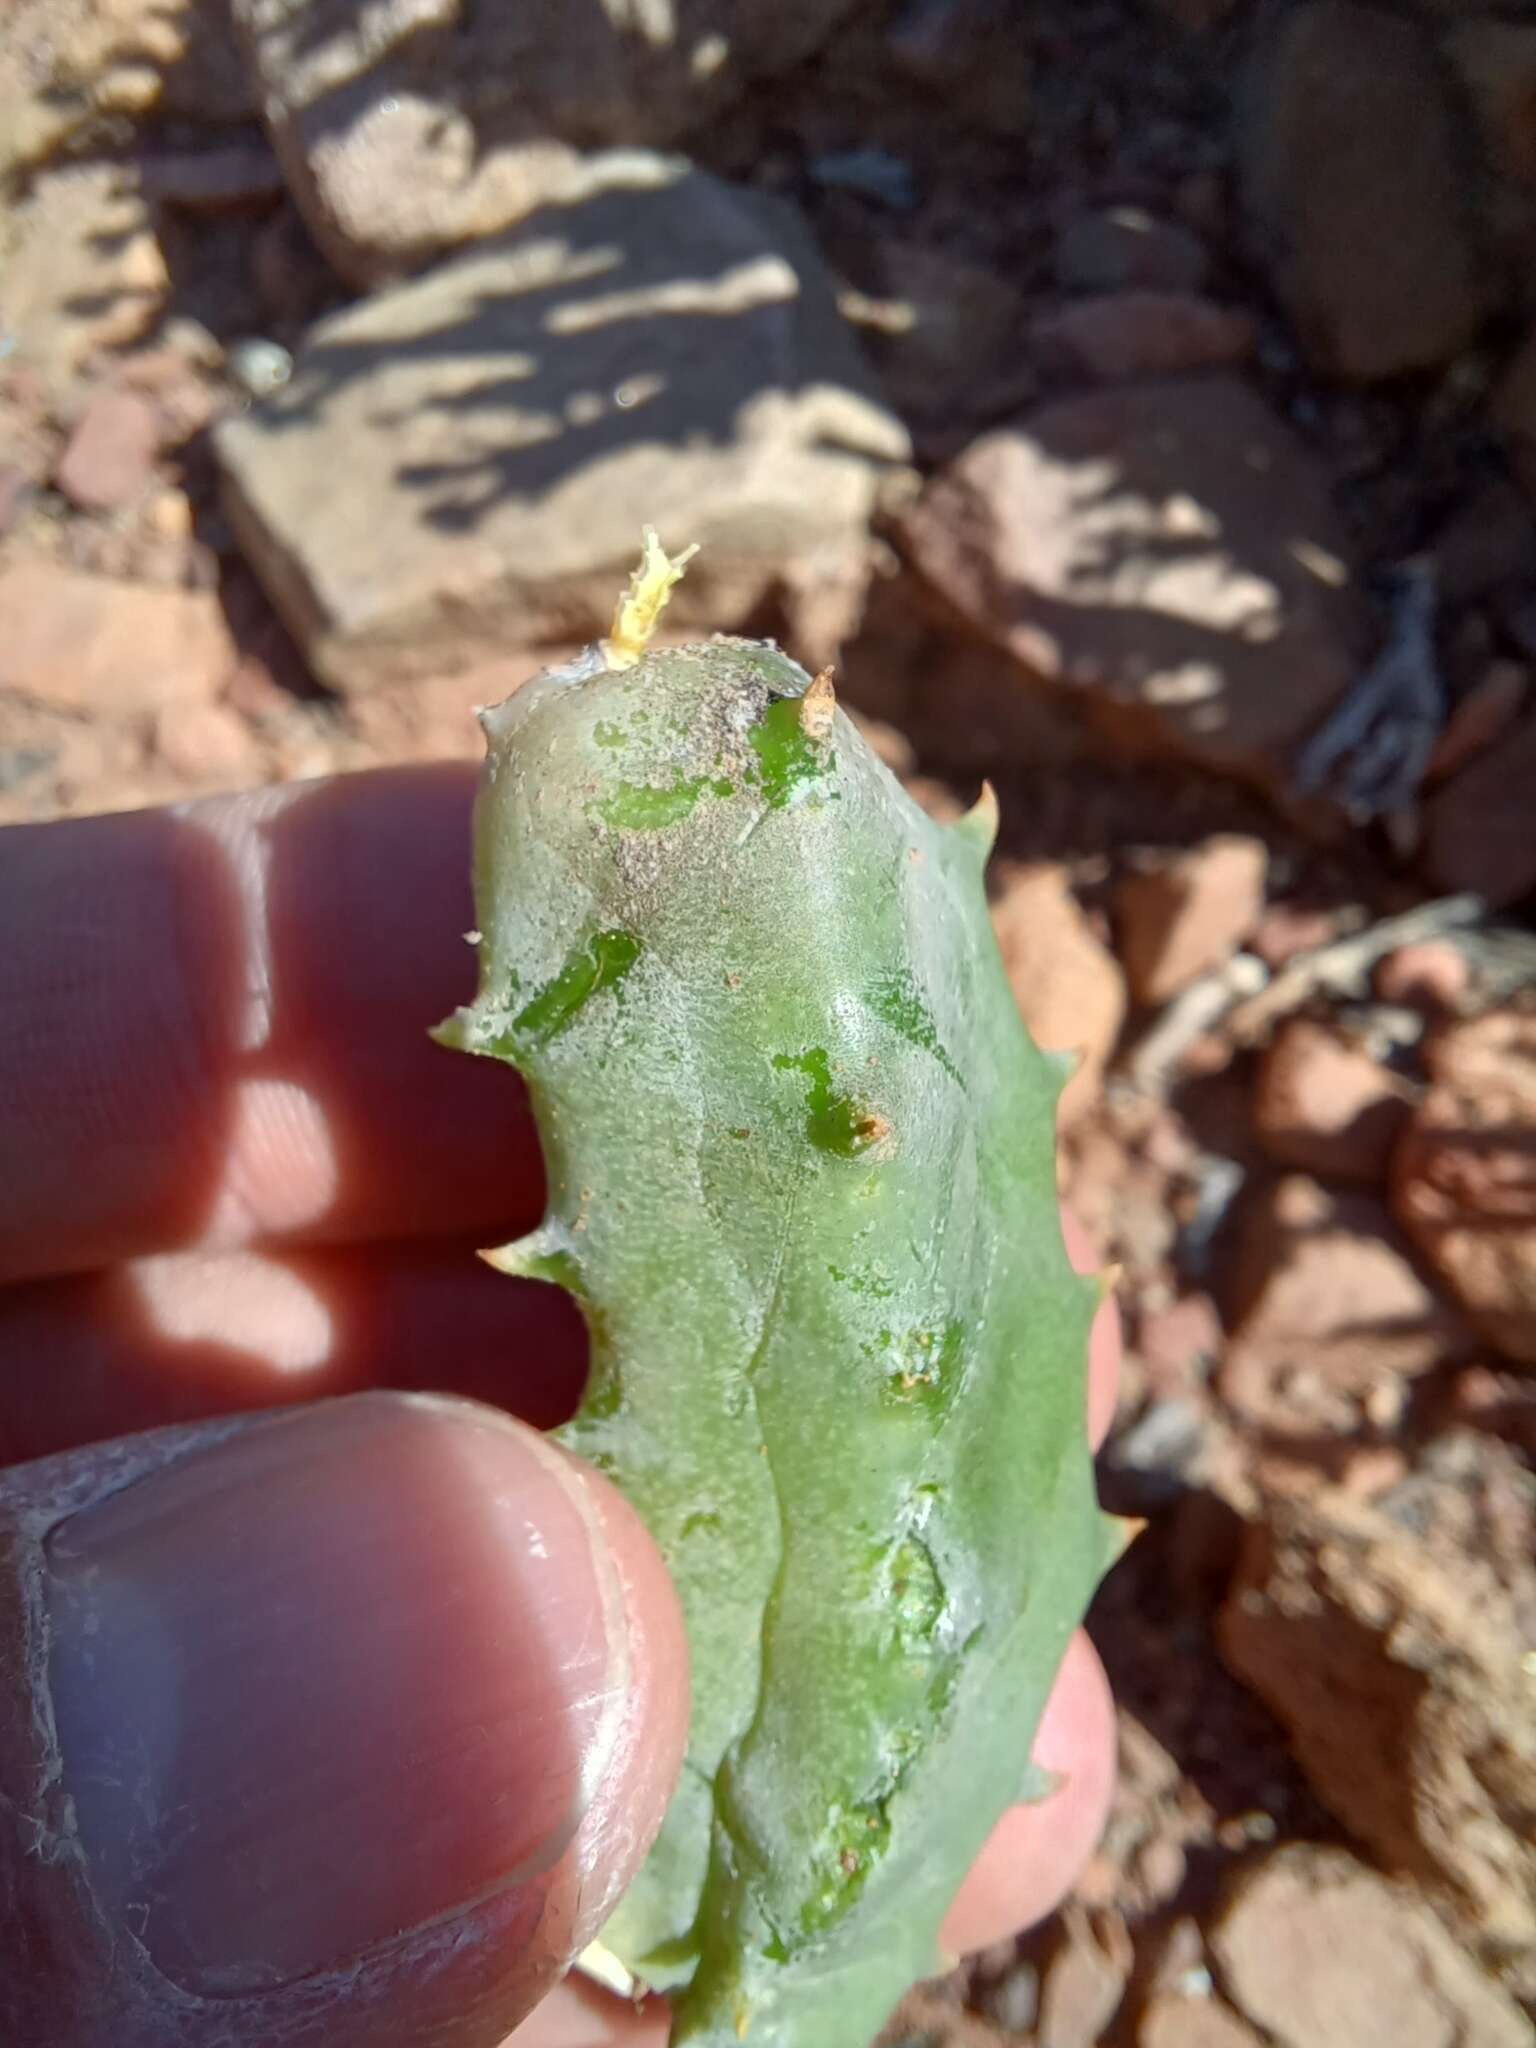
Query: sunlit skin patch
(280, 1168)
(223, 1300)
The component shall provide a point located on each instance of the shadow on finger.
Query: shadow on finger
(185, 1336)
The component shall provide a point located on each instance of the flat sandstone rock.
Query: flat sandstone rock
(409, 129)
(465, 461)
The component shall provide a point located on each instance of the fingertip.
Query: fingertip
(621, 1823)
(1032, 1857)
(377, 1703)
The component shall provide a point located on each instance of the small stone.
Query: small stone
(1463, 1185)
(1370, 1472)
(1124, 248)
(260, 367)
(951, 336)
(1371, 245)
(1142, 334)
(969, 58)
(1179, 1344)
(1177, 921)
(1430, 974)
(1066, 981)
(1013, 2001)
(169, 513)
(1322, 1953)
(86, 643)
(208, 745)
(1161, 1867)
(110, 455)
(1477, 825)
(1170, 2021)
(1324, 1105)
(1081, 1992)
(184, 396)
(1325, 1298)
(1287, 929)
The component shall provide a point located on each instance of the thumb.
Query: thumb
(345, 1724)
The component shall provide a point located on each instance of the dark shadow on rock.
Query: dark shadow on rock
(1152, 1622)
(646, 367)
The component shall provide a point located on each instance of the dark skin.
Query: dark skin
(235, 1174)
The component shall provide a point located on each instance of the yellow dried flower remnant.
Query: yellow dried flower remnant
(638, 611)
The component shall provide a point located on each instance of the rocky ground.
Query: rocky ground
(1138, 403)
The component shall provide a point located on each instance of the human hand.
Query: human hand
(349, 1723)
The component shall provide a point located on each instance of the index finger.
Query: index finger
(213, 1028)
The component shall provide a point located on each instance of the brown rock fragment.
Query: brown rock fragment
(1125, 248)
(1067, 982)
(207, 746)
(1483, 715)
(1464, 1181)
(1287, 929)
(87, 643)
(110, 455)
(1083, 1986)
(1179, 920)
(1478, 825)
(1324, 1105)
(1429, 974)
(1327, 1307)
(1142, 334)
(1370, 242)
(1323, 1953)
(1171, 2021)
(1392, 1655)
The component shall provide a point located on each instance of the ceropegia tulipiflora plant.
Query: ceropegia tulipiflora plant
(800, 1166)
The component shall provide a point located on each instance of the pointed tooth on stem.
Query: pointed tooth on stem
(818, 707)
(979, 825)
(1063, 1064)
(1116, 1535)
(639, 610)
(1107, 1280)
(544, 1254)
